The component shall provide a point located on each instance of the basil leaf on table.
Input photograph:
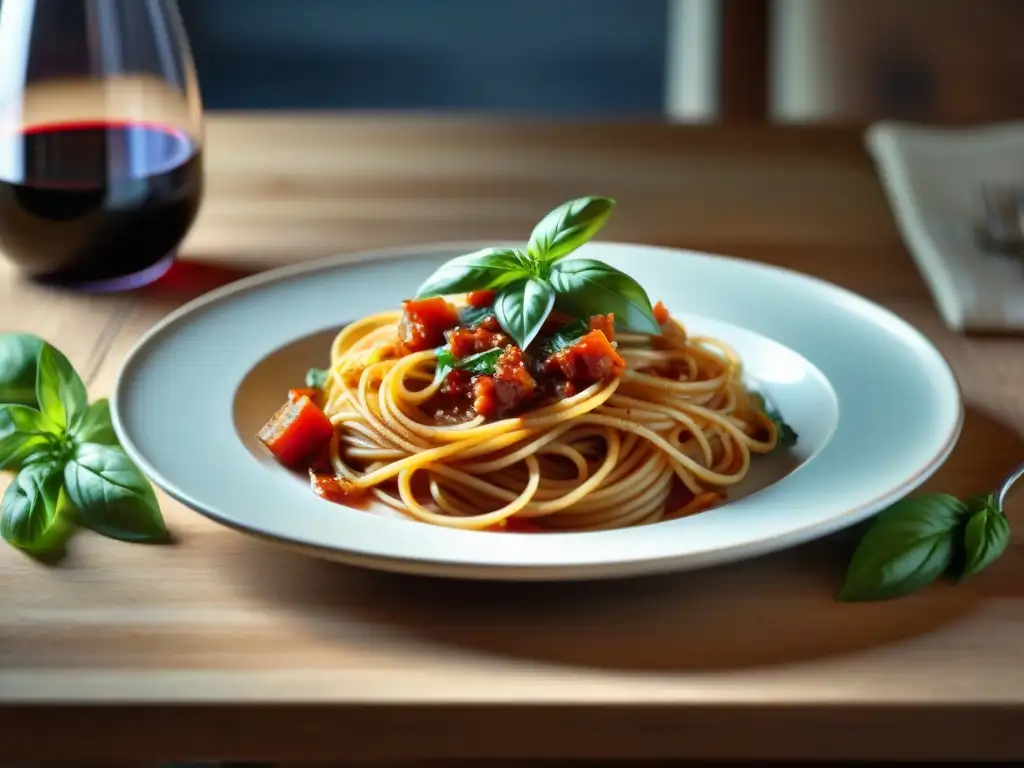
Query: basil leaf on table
(59, 389)
(479, 363)
(522, 307)
(481, 270)
(28, 512)
(112, 496)
(66, 454)
(317, 378)
(26, 436)
(568, 227)
(907, 547)
(986, 535)
(586, 287)
(566, 336)
(18, 355)
(96, 426)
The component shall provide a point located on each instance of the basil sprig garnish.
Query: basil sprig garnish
(478, 271)
(915, 541)
(568, 227)
(523, 306)
(531, 282)
(70, 466)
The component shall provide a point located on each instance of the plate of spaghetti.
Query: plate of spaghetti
(560, 408)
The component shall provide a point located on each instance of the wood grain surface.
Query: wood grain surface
(224, 647)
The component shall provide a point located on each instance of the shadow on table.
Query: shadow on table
(777, 609)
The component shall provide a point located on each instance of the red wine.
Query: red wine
(97, 204)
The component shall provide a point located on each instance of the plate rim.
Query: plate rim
(622, 568)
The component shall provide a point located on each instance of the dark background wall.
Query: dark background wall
(559, 57)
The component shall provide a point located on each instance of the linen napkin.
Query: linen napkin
(932, 178)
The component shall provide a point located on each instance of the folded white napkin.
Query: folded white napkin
(932, 177)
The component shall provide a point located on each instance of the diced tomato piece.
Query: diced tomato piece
(485, 402)
(300, 392)
(424, 322)
(509, 387)
(661, 313)
(481, 298)
(511, 374)
(466, 341)
(605, 324)
(591, 358)
(297, 432)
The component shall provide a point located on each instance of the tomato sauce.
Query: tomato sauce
(338, 490)
(464, 342)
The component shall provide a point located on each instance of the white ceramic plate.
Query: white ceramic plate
(876, 407)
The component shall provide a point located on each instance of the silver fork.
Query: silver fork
(1004, 487)
(1003, 217)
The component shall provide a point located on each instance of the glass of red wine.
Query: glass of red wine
(100, 140)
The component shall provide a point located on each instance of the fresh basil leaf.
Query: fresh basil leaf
(317, 378)
(522, 307)
(787, 436)
(986, 535)
(18, 355)
(446, 361)
(26, 436)
(479, 363)
(568, 227)
(96, 426)
(59, 389)
(566, 336)
(586, 287)
(481, 270)
(112, 496)
(470, 317)
(52, 545)
(28, 511)
(908, 546)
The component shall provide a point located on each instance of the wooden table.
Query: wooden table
(226, 647)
